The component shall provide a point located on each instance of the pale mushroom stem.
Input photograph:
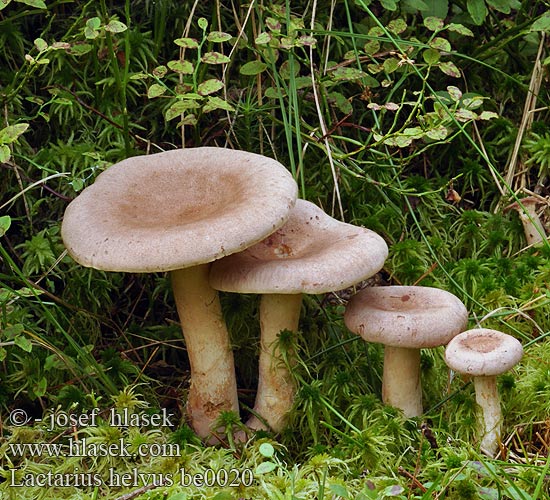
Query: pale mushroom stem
(490, 417)
(401, 380)
(276, 387)
(532, 226)
(213, 384)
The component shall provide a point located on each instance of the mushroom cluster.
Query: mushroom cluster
(226, 220)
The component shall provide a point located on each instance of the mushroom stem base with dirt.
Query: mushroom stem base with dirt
(213, 384)
(276, 388)
(401, 380)
(490, 416)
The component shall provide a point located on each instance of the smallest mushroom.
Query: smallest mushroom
(527, 211)
(484, 354)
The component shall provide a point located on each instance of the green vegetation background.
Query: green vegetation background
(422, 120)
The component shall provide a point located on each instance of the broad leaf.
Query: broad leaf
(542, 23)
(186, 43)
(5, 223)
(12, 132)
(183, 67)
(434, 23)
(39, 4)
(477, 10)
(155, 90)
(209, 86)
(215, 58)
(116, 27)
(450, 69)
(217, 103)
(218, 37)
(253, 68)
(178, 108)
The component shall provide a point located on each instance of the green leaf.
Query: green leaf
(436, 8)
(504, 6)
(341, 101)
(342, 73)
(23, 342)
(190, 120)
(263, 38)
(3, 351)
(218, 37)
(266, 450)
(186, 43)
(5, 223)
(39, 4)
(440, 43)
(438, 133)
(160, 71)
(178, 496)
(431, 56)
(41, 44)
(488, 115)
(209, 86)
(4, 4)
(542, 23)
(477, 10)
(434, 23)
(465, 115)
(265, 468)
(454, 92)
(183, 67)
(417, 5)
(155, 90)
(93, 23)
(215, 58)
(339, 490)
(40, 387)
(5, 153)
(389, 4)
(450, 69)
(397, 26)
(223, 495)
(460, 29)
(371, 47)
(203, 23)
(390, 65)
(179, 107)
(80, 49)
(116, 27)
(12, 132)
(217, 103)
(252, 68)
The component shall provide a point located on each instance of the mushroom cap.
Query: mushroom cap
(483, 352)
(177, 209)
(413, 317)
(311, 253)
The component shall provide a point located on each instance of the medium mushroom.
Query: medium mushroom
(532, 225)
(312, 253)
(178, 211)
(405, 319)
(484, 354)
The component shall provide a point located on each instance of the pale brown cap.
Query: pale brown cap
(311, 253)
(177, 209)
(406, 316)
(483, 352)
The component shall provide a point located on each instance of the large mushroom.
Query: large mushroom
(405, 319)
(178, 211)
(484, 354)
(312, 253)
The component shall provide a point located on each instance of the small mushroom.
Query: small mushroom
(178, 211)
(532, 225)
(405, 319)
(484, 354)
(312, 253)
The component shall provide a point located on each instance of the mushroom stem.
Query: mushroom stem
(490, 417)
(532, 226)
(276, 388)
(401, 380)
(213, 385)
